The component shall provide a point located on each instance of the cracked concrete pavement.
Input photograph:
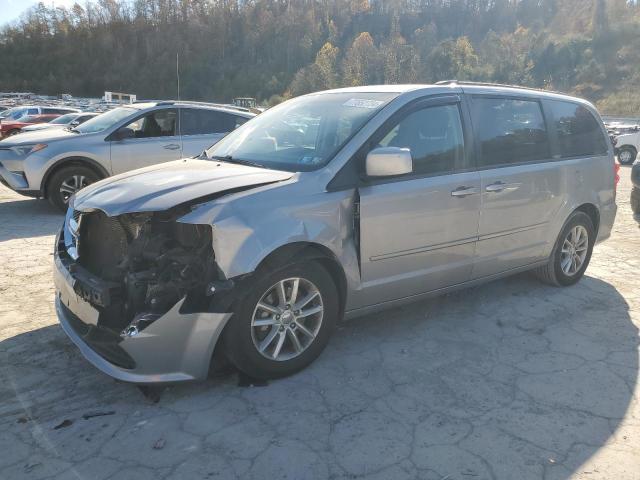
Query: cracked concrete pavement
(510, 380)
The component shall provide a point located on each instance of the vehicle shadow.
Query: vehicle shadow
(28, 218)
(512, 379)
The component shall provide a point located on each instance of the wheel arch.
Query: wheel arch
(280, 257)
(592, 211)
(305, 251)
(69, 161)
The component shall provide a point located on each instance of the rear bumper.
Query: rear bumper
(175, 347)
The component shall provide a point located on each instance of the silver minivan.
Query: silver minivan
(329, 206)
(55, 164)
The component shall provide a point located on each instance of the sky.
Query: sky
(10, 10)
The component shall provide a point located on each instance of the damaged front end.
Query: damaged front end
(135, 293)
(150, 260)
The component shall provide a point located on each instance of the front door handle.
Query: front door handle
(464, 191)
(502, 187)
(171, 146)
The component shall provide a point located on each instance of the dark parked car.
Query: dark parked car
(635, 191)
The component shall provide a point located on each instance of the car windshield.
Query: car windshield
(302, 134)
(64, 119)
(105, 120)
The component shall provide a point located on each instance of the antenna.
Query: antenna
(178, 72)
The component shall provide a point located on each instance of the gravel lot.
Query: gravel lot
(511, 380)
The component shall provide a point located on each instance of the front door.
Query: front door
(151, 139)
(418, 232)
(521, 186)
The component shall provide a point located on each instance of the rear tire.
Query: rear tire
(67, 181)
(274, 340)
(558, 271)
(627, 155)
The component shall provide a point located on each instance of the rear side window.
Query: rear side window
(509, 131)
(56, 111)
(200, 122)
(579, 133)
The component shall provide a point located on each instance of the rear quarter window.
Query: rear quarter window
(201, 122)
(509, 131)
(579, 133)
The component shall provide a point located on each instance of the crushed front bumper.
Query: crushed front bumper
(175, 347)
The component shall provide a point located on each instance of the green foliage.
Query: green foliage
(274, 49)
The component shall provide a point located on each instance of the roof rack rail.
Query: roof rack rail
(492, 84)
(193, 102)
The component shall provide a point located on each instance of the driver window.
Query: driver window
(434, 136)
(159, 123)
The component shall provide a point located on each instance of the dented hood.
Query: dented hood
(167, 185)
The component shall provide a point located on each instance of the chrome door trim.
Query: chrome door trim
(429, 248)
(511, 231)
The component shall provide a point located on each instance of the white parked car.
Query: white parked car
(69, 120)
(54, 164)
(627, 146)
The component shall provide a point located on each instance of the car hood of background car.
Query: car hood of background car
(39, 136)
(167, 185)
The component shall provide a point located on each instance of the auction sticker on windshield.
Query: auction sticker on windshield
(362, 103)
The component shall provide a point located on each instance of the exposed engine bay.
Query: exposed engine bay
(147, 262)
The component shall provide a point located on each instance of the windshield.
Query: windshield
(105, 120)
(302, 134)
(64, 119)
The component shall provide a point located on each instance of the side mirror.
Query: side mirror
(123, 134)
(75, 123)
(388, 162)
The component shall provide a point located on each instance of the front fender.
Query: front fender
(246, 230)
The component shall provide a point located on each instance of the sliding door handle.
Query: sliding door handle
(464, 191)
(502, 187)
(171, 146)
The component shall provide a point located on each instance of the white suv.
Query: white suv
(627, 147)
(55, 165)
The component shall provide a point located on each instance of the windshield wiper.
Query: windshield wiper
(230, 159)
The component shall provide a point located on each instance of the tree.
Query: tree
(453, 59)
(361, 64)
(270, 48)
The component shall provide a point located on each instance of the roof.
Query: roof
(463, 86)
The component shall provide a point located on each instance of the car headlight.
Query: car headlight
(24, 150)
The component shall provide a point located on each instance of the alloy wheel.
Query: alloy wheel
(71, 185)
(287, 319)
(625, 157)
(574, 250)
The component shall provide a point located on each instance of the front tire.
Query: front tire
(67, 181)
(627, 155)
(571, 253)
(284, 322)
